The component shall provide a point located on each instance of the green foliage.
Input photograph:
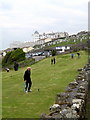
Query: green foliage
(16, 55)
(5, 60)
(53, 52)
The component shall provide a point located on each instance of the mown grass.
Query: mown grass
(49, 79)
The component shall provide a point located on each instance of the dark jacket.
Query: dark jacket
(27, 75)
(16, 66)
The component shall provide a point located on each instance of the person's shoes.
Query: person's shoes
(25, 91)
(30, 90)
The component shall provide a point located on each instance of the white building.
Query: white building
(62, 48)
(36, 36)
(27, 49)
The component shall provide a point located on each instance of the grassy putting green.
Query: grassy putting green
(50, 79)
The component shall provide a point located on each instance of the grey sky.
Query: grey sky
(20, 18)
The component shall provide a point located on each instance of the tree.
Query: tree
(16, 55)
(53, 52)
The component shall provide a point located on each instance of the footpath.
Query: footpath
(38, 58)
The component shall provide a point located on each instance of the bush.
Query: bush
(16, 55)
(5, 60)
(54, 52)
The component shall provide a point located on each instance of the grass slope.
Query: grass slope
(50, 79)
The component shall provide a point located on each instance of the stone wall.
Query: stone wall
(72, 103)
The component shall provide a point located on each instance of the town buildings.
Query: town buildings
(36, 36)
(43, 41)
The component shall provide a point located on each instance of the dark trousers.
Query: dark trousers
(28, 85)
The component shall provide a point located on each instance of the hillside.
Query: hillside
(79, 38)
(49, 79)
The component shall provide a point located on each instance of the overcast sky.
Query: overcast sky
(19, 19)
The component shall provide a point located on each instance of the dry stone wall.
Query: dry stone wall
(72, 103)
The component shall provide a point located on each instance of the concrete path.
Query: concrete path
(37, 58)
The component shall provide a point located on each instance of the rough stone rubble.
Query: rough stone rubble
(71, 103)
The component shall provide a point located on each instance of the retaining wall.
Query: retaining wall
(72, 103)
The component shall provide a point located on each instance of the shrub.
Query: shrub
(16, 55)
(54, 52)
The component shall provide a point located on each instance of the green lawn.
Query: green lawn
(50, 79)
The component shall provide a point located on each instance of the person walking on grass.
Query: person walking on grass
(72, 55)
(16, 65)
(78, 55)
(54, 60)
(51, 61)
(27, 80)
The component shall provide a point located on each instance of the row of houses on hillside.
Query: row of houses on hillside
(30, 52)
(47, 51)
(39, 39)
(43, 40)
(42, 43)
(82, 34)
(48, 42)
(37, 36)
